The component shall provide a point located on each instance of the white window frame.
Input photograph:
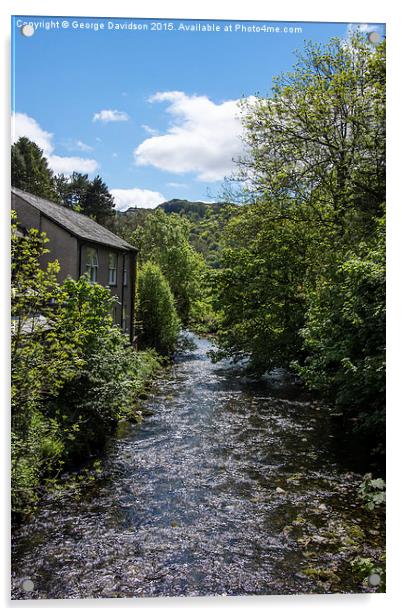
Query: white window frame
(91, 263)
(112, 269)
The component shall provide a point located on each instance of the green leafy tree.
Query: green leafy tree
(89, 404)
(90, 197)
(302, 279)
(164, 239)
(159, 324)
(320, 138)
(259, 288)
(344, 334)
(206, 232)
(41, 362)
(30, 169)
(128, 221)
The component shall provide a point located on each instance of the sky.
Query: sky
(150, 105)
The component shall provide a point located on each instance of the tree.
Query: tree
(97, 202)
(40, 363)
(302, 279)
(164, 239)
(90, 197)
(320, 138)
(344, 334)
(159, 324)
(259, 287)
(30, 170)
(72, 190)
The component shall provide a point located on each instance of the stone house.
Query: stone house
(82, 245)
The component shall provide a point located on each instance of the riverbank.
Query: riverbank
(67, 436)
(228, 487)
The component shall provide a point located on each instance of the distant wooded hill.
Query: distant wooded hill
(206, 218)
(194, 210)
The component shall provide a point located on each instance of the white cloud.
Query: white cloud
(23, 125)
(365, 28)
(83, 147)
(110, 115)
(150, 130)
(203, 138)
(76, 144)
(69, 164)
(140, 197)
(356, 28)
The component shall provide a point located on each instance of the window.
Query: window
(125, 273)
(112, 277)
(124, 318)
(91, 264)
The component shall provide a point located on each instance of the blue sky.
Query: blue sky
(153, 111)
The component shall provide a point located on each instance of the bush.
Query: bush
(74, 374)
(159, 323)
(105, 391)
(344, 334)
(164, 239)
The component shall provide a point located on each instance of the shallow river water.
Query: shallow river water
(211, 494)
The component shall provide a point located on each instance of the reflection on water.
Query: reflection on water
(194, 500)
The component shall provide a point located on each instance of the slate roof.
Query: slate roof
(77, 224)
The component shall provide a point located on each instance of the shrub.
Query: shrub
(159, 323)
(105, 391)
(74, 374)
(344, 334)
(164, 239)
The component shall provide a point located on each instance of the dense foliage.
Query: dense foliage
(344, 333)
(128, 221)
(259, 288)
(30, 170)
(158, 322)
(164, 239)
(303, 269)
(204, 223)
(73, 373)
(192, 210)
(90, 197)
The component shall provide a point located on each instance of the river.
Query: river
(229, 486)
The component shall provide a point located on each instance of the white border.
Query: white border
(365, 11)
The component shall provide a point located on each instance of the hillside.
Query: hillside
(193, 210)
(206, 220)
